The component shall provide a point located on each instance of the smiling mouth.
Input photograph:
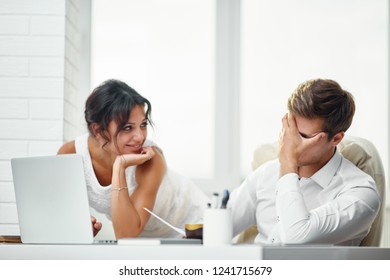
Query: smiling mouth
(135, 147)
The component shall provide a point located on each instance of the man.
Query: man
(311, 193)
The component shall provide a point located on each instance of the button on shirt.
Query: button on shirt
(336, 205)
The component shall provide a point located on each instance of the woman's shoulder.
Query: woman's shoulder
(67, 148)
(77, 145)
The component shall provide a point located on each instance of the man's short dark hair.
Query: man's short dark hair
(324, 99)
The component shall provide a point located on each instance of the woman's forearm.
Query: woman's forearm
(125, 218)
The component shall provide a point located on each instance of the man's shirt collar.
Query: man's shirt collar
(324, 176)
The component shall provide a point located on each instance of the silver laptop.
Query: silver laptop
(52, 200)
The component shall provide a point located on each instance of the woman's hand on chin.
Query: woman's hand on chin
(146, 154)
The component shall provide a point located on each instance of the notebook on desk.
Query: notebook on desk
(52, 200)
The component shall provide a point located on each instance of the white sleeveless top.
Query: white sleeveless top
(179, 201)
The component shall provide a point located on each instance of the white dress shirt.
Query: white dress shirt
(336, 205)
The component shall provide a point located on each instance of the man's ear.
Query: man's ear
(337, 138)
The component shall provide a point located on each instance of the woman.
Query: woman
(126, 172)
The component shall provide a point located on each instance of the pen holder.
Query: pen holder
(217, 227)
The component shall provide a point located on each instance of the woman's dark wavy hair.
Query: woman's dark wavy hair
(113, 100)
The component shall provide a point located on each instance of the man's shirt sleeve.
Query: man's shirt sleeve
(337, 220)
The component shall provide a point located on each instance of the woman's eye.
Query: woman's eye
(145, 124)
(127, 128)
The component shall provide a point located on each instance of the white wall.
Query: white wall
(40, 80)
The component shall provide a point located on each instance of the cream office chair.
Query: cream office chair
(359, 151)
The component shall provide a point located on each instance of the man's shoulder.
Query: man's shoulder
(268, 171)
(270, 165)
(355, 176)
(347, 166)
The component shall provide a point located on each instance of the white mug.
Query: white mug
(217, 227)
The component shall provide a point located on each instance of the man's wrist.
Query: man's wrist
(288, 168)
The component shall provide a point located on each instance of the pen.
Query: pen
(215, 200)
(225, 198)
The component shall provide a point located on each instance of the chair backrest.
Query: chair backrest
(360, 152)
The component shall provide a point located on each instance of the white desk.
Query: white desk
(188, 252)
